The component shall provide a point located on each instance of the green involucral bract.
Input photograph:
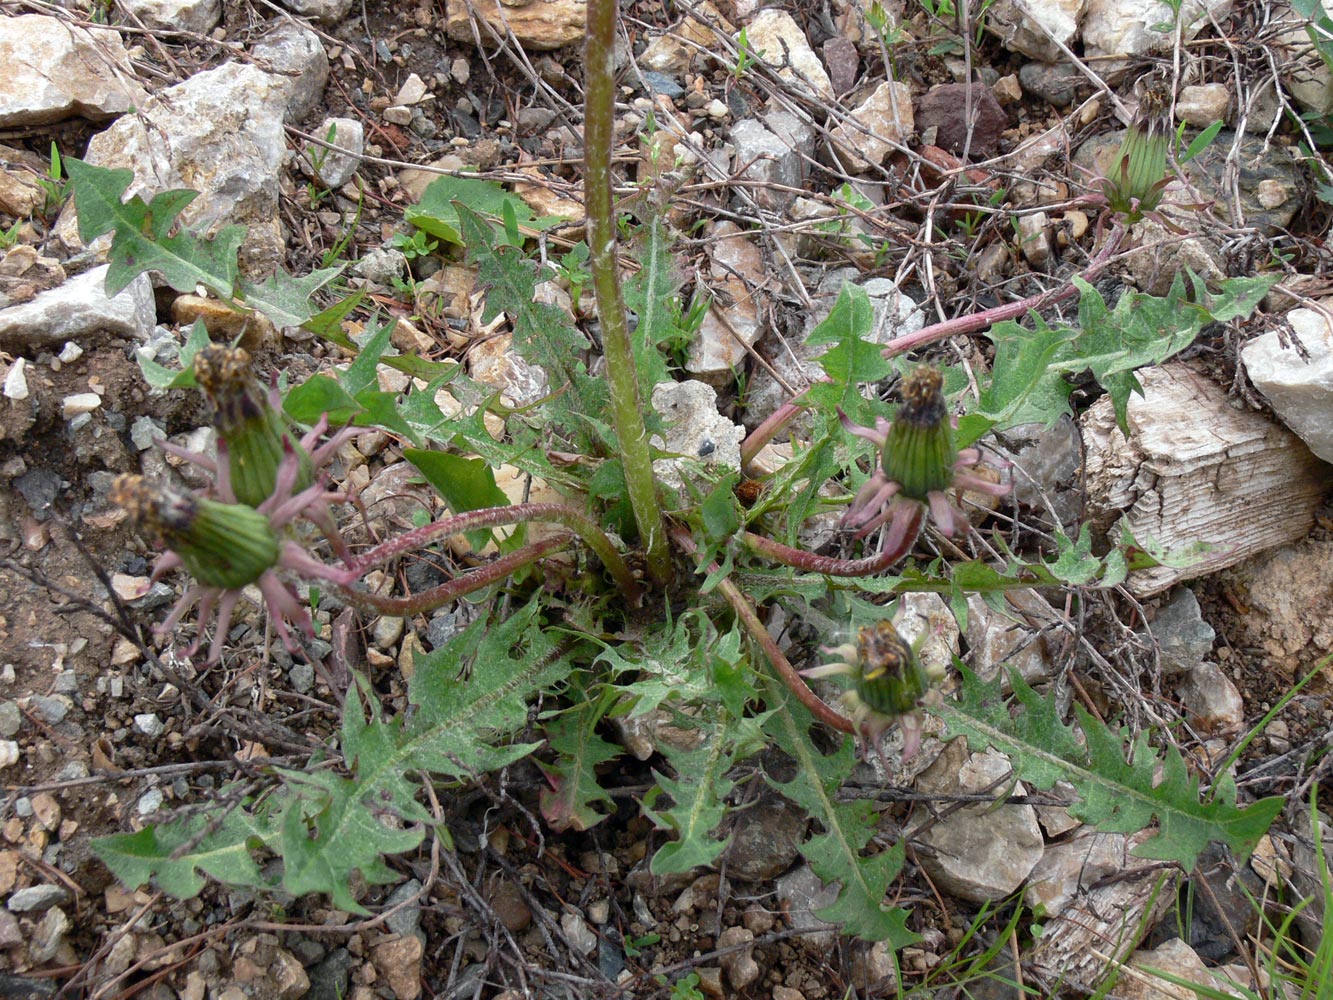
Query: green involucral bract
(225, 545)
(920, 454)
(250, 424)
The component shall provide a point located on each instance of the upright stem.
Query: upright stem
(622, 378)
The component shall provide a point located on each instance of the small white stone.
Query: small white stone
(16, 381)
(70, 352)
(461, 70)
(150, 802)
(80, 402)
(717, 109)
(9, 753)
(149, 724)
(398, 115)
(411, 92)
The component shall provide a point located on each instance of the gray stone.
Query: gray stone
(150, 802)
(329, 979)
(765, 840)
(50, 709)
(332, 168)
(149, 725)
(1046, 463)
(1183, 637)
(1126, 28)
(980, 853)
(407, 920)
(762, 159)
(145, 431)
(1211, 701)
(55, 70)
(66, 682)
(734, 321)
(11, 719)
(661, 83)
(878, 124)
(1072, 866)
(48, 936)
(381, 266)
(802, 894)
(581, 938)
(1056, 84)
(199, 16)
(324, 11)
(36, 898)
(696, 431)
(78, 310)
(1295, 374)
(302, 676)
(296, 53)
(1010, 639)
(1020, 27)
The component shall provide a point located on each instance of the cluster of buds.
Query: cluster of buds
(888, 684)
(236, 532)
(919, 463)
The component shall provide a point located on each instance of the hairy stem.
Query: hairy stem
(495, 517)
(622, 378)
(971, 323)
(759, 633)
(428, 600)
(829, 566)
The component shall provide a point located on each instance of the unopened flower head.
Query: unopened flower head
(1137, 179)
(888, 683)
(919, 453)
(919, 463)
(223, 545)
(249, 422)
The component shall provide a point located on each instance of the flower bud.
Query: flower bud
(1137, 178)
(889, 678)
(226, 545)
(252, 429)
(919, 453)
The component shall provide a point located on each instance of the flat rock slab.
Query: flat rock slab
(1197, 470)
(539, 26)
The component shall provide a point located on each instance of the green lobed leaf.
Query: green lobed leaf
(1116, 794)
(223, 850)
(335, 826)
(698, 796)
(435, 212)
(571, 801)
(837, 854)
(147, 236)
(854, 359)
(285, 300)
(318, 395)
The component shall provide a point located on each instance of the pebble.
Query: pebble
(50, 709)
(150, 802)
(717, 109)
(16, 380)
(79, 402)
(398, 115)
(577, 933)
(387, 632)
(11, 719)
(36, 898)
(48, 936)
(9, 753)
(149, 724)
(302, 676)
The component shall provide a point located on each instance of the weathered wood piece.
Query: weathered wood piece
(1197, 470)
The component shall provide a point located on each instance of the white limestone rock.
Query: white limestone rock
(296, 54)
(734, 322)
(696, 431)
(55, 70)
(323, 11)
(335, 169)
(1126, 28)
(1298, 382)
(878, 123)
(1019, 26)
(1202, 104)
(78, 309)
(775, 37)
(199, 16)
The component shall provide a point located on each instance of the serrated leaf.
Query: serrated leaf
(223, 852)
(836, 855)
(318, 395)
(543, 334)
(574, 793)
(142, 233)
(854, 359)
(285, 300)
(698, 794)
(1115, 793)
(335, 825)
